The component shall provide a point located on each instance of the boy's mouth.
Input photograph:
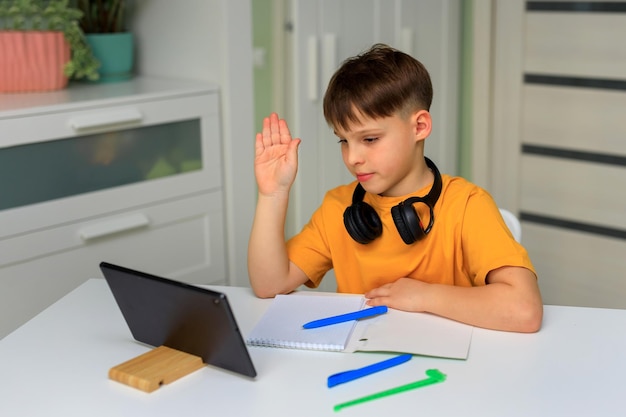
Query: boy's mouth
(364, 177)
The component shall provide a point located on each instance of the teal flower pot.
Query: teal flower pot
(115, 51)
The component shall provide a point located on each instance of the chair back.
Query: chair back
(512, 223)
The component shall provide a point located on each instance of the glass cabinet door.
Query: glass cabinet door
(42, 171)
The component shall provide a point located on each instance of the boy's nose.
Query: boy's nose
(353, 157)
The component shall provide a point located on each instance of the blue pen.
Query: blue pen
(368, 312)
(347, 376)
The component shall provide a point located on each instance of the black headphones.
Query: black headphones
(364, 225)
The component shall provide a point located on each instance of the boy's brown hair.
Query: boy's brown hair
(377, 83)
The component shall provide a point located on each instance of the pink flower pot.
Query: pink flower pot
(32, 61)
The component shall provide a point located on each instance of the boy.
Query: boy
(401, 234)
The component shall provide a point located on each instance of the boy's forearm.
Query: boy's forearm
(496, 306)
(268, 264)
(511, 301)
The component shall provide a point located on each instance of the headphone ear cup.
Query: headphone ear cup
(362, 222)
(407, 223)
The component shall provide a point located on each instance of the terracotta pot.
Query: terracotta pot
(32, 61)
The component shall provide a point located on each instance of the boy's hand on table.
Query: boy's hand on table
(404, 294)
(276, 156)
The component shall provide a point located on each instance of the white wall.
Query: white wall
(210, 40)
(176, 41)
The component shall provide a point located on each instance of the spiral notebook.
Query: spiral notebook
(396, 331)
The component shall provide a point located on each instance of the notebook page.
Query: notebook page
(417, 333)
(281, 325)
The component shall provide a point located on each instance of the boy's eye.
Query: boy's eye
(342, 141)
(369, 140)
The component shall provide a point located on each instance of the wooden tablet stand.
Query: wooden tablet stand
(152, 369)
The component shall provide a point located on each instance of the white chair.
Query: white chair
(512, 223)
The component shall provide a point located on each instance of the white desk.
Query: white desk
(57, 365)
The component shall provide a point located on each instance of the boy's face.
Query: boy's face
(386, 154)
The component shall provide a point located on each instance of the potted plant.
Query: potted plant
(103, 23)
(42, 45)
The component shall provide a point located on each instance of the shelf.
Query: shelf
(77, 94)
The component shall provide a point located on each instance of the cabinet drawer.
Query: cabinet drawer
(61, 166)
(183, 241)
(116, 227)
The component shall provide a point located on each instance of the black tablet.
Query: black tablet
(160, 311)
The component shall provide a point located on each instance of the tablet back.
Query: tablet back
(195, 320)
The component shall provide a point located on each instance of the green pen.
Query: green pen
(434, 376)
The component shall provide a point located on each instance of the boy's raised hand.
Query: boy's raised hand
(276, 156)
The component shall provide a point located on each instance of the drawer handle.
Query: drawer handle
(109, 227)
(104, 119)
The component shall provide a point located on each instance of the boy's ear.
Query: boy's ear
(422, 124)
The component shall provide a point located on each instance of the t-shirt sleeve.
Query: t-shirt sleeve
(310, 251)
(487, 242)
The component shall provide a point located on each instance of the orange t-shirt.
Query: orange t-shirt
(469, 238)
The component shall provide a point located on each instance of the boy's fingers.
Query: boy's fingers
(258, 143)
(266, 135)
(275, 128)
(285, 135)
(275, 131)
(293, 145)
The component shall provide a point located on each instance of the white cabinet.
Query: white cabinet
(128, 173)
